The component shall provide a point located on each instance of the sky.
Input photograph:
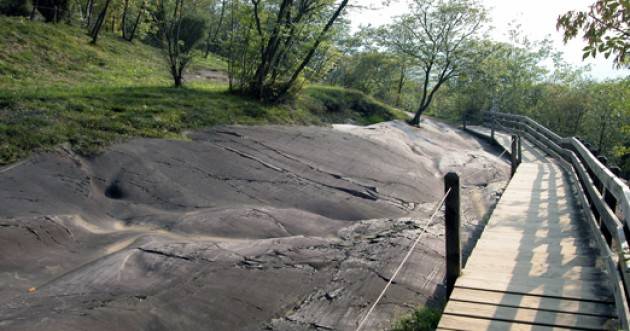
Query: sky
(537, 18)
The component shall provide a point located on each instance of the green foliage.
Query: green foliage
(340, 105)
(15, 7)
(270, 43)
(178, 34)
(605, 28)
(56, 88)
(36, 56)
(372, 72)
(193, 29)
(53, 10)
(92, 118)
(422, 319)
(512, 78)
(435, 36)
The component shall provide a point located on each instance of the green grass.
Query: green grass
(35, 55)
(422, 319)
(335, 105)
(57, 88)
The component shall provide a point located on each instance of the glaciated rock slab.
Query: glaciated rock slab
(240, 228)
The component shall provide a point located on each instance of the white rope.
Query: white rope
(404, 260)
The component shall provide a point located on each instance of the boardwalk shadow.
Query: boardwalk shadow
(535, 266)
(549, 285)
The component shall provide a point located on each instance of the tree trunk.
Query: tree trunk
(602, 132)
(135, 25)
(416, 118)
(88, 13)
(311, 52)
(123, 22)
(401, 83)
(32, 16)
(269, 52)
(212, 39)
(178, 80)
(99, 22)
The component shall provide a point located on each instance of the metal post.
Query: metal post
(514, 156)
(452, 226)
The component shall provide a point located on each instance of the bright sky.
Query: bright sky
(537, 17)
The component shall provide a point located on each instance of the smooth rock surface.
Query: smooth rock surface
(240, 228)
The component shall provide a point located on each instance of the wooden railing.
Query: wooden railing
(605, 198)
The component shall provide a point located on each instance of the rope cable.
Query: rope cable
(404, 260)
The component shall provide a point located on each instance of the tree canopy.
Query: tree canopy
(605, 27)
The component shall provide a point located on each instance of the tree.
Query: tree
(15, 7)
(96, 29)
(271, 43)
(435, 35)
(52, 10)
(179, 34)
(605, 28)
(213, 34)
(129, 28)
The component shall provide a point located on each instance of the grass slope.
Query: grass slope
(57, 88)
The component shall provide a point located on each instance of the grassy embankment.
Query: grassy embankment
(57, 88)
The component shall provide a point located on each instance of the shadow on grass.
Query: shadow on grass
(91, 118)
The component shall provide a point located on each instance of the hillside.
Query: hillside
(57, 88)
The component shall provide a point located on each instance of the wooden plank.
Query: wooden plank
(542, 206)
(547, 233)
(569, 273)
(549, 205)
(576, 290)
(533, 216)
(538, 269)
(454, 322)
(571, 230)
(525, 315)
(503, 246)
(520, 237)
(534, 302)
(512, 199)
(563, 222)
(529, 258)
(551, 282)
(535, 239)
(512, 239)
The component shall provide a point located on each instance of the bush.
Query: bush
(15, 7)
(422, 319)
(53, 10)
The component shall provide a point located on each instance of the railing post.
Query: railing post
(520, 150)
(514, 156)
(452, 227)
(600, 185)
(492, 125)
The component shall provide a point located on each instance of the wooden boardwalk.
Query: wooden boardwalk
(535, 266)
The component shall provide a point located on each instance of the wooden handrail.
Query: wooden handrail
(597, 185)
(611, 183)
